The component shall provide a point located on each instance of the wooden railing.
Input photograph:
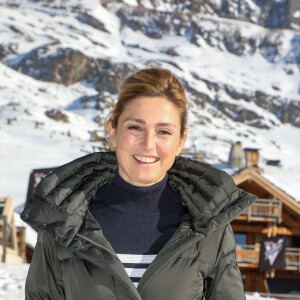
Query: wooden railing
(3, 238)
(9, 250)
(248, 256)
(265, 210)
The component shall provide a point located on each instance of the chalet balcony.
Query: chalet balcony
(248, 256)
(263, 210)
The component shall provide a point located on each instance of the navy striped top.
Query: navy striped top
(137, 221)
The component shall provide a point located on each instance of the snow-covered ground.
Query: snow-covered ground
(12, 283)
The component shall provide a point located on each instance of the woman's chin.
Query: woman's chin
(145, 180)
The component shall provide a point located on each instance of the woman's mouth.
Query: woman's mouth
(145, 159)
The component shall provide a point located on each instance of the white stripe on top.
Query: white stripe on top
(137, 258)
(136, 265)
(135, 272)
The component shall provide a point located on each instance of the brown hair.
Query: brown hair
(151, 83)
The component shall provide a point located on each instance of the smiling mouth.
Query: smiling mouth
(145, 159)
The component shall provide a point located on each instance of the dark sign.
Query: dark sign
(272, 253)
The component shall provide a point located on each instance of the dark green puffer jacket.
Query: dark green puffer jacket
(74, 261)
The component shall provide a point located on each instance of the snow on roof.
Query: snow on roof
(226, 167)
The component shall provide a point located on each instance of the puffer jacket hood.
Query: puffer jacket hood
(61, 200)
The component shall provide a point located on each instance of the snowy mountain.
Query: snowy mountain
(61, 63)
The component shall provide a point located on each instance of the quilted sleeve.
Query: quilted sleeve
(44, 281)
(225, 281)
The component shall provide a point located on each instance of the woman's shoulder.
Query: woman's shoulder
(63, 197)
(82, 165)
(196, 169)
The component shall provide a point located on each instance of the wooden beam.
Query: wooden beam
(247, 265)
(263, 229)
(14, 240)
(3, 243)
(247, 228)
(21, 241)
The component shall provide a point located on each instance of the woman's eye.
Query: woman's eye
(134, 127)
(165, 132)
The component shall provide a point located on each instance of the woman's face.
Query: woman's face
(147, 139)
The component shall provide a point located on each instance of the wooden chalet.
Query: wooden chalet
(274, 213)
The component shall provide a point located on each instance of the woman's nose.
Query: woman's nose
(149, 141)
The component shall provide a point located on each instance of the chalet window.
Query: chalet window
(1, 207)
(240, 238)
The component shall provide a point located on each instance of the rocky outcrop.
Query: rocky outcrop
(286, 111)
(293, 112)
(85, 18)
(198, 23)
(111, 77)
(57, 115)
(267, 13)
(238, 113)
(224, 35)
(100, 101)
(157, 25)
(7, 49)
(60, 65)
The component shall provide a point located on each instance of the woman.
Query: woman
(140, 222)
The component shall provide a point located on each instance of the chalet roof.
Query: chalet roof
(256, 175)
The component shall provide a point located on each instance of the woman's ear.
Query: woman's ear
(112, 134)
(181, 143)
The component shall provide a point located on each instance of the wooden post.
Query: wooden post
(21, 242)
(14, 240)
(4, 238)
(268, 273)
(8, 232)
(269, 232)
(249, 213)
(274, 232)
